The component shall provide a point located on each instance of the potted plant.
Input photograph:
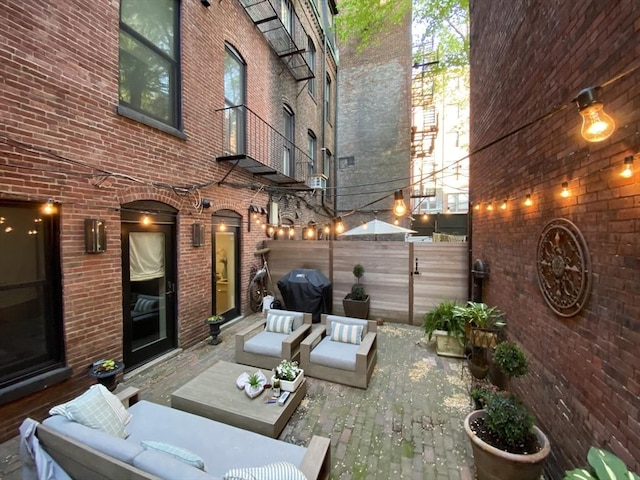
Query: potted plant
(255, 384)
(356, 303)
(289, 374)
(480, 392)
(505, 442)
(214, 322)
(105, 372)
(604, 465)
(509, 361)
(448, 329)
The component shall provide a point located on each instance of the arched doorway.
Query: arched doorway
(226, 263)
(148, 236)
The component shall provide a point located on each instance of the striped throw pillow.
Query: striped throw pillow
(273, 471)
(279, 323)
(344, 333)
(178, 453)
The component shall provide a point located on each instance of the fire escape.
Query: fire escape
(424, 127)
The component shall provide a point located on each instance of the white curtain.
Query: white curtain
(146, 255)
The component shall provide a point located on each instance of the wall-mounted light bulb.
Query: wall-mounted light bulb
(399, 207)
(627, 171)
(49, 208)
(223, 226)
(425, 217)
(503, 206)
(146, 220)
(596, 124)
(490, 206)
(565, 190)
(527, 201)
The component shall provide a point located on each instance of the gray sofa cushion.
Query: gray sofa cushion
(113, 446)
(347, 321)
(298, 317)
(265, 343)
(165, 466)
(222, 447)
(335, 354)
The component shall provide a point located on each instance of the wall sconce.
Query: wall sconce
(197, 235)
(596, 124)
(527, 200)
(565, 190)
(399, 207)
(49, 208)
(627, 172)
(95, 236)
(146, 220)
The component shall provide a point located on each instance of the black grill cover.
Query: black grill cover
(306, 290)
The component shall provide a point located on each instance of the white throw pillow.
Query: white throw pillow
(279, 323)
(178, 453)
(114, 403)
(341, 332)
(92, 410)
(273, 471)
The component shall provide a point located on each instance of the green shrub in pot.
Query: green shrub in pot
(443, 317)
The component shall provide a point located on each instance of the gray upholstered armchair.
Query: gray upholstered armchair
(266, 343)
(345, 351)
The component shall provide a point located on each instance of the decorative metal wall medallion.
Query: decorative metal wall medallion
(564, 267)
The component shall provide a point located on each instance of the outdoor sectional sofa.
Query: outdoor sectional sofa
(90, 454)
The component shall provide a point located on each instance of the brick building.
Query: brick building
(152, 131)
(565, 269)
(374, 113)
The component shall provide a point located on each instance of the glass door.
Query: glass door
(226, 262)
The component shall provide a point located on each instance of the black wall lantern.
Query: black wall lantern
(95, 236)
(197, 234)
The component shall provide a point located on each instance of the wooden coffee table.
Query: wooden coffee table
(214, 394)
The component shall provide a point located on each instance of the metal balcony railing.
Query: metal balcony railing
(280, 25)
(252, 144)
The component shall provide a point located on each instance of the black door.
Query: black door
(149, 290)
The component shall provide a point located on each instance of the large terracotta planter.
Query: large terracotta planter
(494, 464)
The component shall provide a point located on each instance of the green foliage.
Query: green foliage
(214, 318)
(508, 418)
(254, 380)
(443, 317)
(358, 271)
(358, 292)
(604, 466)
(481, 392)
(480, 315)
(510, 359)
(287, 370)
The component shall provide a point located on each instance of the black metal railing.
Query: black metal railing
(246, 135)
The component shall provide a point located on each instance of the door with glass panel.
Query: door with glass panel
(149, 285)
(226, 261)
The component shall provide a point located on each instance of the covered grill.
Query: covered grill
(306, 290)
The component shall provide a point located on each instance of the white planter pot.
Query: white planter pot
(448, 345)
(287, 386)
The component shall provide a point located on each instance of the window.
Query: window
(326, 168)
(234, 93)
(288, 142)
(327, 99)
(312, 147)
(149, 67)
(286, 15)
(457, 202)
(31, 337)
(311, 60)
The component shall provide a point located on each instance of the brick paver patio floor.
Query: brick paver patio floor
(406, 425)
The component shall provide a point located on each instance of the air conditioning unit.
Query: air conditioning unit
(317, 182)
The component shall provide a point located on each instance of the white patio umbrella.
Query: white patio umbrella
(377, 227)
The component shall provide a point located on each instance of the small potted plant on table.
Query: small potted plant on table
(214, 322)
(289, 374)
(105, 372)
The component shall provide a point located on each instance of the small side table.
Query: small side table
(108, 379)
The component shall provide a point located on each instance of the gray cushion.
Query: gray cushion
(347, 321)
(116, 447)
(265, 343)
(167, 467)
(298, 317)
(335, 354)
(222, 447)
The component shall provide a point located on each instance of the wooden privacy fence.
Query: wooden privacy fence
(397, 292)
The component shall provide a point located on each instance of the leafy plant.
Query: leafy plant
(508, 418)
(254, 380)
(103, 366)
(510, 359)
(481, 392)
(604, 465)
(443, 317)
(480, 314)
(214, 318)
(287, 370)
(357, 290)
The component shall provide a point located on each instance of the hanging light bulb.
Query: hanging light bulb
(490, 206)
(477, 206)
(565, 190)
(311, 232)
(327, 229)
(596, 124)
(399, 207)
(339, 225)
(628, 167)
(425, 217)
(504, 205)
(292, 232)
(396, 221)
(48, 207)
(527, 200)
(364, 225)
(270, 230)
(280, 231)
(263, 226)
(146, 220)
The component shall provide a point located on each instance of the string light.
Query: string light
(477, 206)
(425, 217)
(396, 221)
(263, 226)
(527, 201)
(627, 172)
(364, 225)
(339, 225)
(399, 207)
(565, 190)
(327, 229)
(504, 205)
(596, 124)
(270, 230)
(490, 206)
(292, 232)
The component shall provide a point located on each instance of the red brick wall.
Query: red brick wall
(58, 127)
(529, 58)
